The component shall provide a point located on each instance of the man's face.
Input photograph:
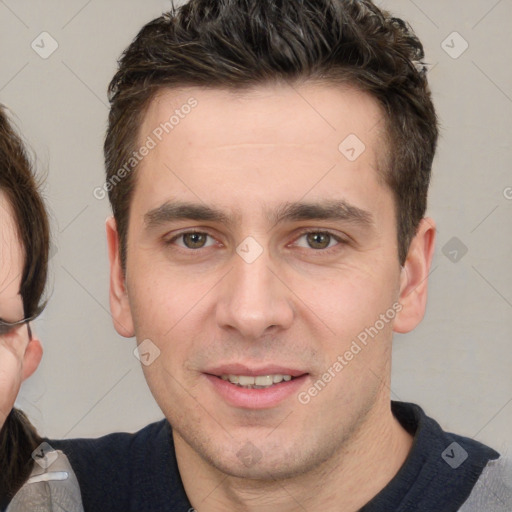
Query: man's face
(257, 247)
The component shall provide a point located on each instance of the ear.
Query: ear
(32, 357)
(414, 277)
(119, 304)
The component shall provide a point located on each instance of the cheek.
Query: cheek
(160, 293)
(170, 308)
(357, 343)
(348, 300)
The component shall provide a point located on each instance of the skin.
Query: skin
(248, 154)
(19, 358)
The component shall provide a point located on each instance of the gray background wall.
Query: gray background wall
(457, 364)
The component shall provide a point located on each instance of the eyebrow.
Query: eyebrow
(339, 210)
(172, 211)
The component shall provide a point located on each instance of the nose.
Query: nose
(253, 300)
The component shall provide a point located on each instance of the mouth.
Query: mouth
(255, 388)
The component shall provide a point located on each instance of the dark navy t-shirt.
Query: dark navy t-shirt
(138, 472)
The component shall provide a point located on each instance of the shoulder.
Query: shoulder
(493, 490)
(52, 485)
(114, 447)
(115, 470)
(442, 469)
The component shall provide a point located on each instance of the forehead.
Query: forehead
(267, 140)
(309, 113)
(11, 251)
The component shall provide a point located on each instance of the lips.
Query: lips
(252, 387)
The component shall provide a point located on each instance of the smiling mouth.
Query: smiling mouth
(256, 382)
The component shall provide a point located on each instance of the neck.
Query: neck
(350, 477)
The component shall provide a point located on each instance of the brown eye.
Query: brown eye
(318, 240)
(194, 240)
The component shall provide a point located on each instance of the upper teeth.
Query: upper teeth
(260, 380)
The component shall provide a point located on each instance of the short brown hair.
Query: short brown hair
(236, 44)
(18, 438)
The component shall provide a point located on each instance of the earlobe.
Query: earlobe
(32, 357)
(414, 277)
(119, 304)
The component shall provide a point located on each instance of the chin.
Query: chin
(258, 461)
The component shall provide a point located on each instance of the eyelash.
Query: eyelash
(340, 241)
